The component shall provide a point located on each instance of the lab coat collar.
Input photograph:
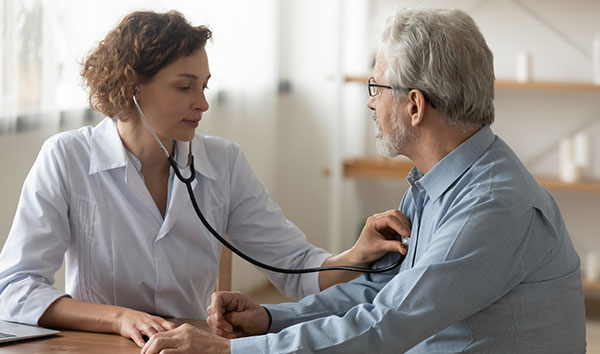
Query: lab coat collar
(107, 150)
(202, 163)
(453, 165)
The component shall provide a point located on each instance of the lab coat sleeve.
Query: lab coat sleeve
(258, 226)
(37, 241)
(474, 260)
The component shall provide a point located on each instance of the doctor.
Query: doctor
(106, 198)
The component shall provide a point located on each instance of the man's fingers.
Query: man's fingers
(158, 343)
(224, 301)
(220, 324)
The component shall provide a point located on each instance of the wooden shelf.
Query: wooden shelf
(547, 86)
(383, 168)
(376, 168)
(555, 183)
(590, 288)
(515, 85)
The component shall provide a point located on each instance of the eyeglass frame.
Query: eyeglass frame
(371, 83)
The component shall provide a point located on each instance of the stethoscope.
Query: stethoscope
(188, 182)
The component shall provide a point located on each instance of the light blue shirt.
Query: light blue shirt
(85, 201)
(490, 269)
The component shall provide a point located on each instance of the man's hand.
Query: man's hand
(186, 339)
(234, 315)
(376, 237)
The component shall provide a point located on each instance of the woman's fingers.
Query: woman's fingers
(136, 336)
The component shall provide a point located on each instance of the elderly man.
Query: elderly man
(490, 265)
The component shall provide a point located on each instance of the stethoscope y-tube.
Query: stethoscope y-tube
(188, 183)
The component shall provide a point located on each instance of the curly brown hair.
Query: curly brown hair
(133, 52)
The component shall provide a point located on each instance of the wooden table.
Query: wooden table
(82, 342)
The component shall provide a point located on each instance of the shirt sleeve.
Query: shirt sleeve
(37, 241)
(258, 226)
(473, 260)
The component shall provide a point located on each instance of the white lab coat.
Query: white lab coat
(83, 198)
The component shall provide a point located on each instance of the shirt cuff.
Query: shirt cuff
(282, 316)
(312, 279)
(37, 303)
(249, 345)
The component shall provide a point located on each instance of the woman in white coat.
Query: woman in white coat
(106, 198)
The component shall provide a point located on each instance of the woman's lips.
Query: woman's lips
(192, 122)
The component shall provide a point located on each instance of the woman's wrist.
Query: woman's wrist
(114, 317)
(348, 257)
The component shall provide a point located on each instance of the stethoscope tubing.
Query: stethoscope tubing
(188, 183)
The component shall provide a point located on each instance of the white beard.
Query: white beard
(391, 146)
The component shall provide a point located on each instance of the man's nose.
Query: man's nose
(371, 103)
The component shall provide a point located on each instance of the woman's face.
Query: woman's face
(174, 99)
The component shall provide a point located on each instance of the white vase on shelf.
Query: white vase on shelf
(567, 169)
(523, 73)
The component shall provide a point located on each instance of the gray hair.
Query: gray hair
(442, 53)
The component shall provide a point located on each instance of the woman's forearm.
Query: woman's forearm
(332, 277)
(72, 314)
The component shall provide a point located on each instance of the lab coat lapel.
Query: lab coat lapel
(136, 183)
(178, 205)
(180, 202)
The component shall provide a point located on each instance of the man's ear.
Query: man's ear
(415, 106)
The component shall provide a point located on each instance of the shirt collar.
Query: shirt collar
(453, 165)
(108, 151)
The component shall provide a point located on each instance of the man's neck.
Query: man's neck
(435, 142)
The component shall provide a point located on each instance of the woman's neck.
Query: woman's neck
(139, 141)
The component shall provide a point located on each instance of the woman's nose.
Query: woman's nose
(202, 103)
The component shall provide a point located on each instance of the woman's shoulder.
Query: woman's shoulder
(217, 146)
(70, 142)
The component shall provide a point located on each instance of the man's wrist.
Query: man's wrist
(270, 319)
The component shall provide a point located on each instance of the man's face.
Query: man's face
(392, 131)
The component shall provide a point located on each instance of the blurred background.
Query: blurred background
(281, 88)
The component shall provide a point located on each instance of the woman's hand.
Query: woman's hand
(378, 237)
(234, 314)
(135, 324)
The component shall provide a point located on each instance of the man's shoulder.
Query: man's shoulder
(498, 177)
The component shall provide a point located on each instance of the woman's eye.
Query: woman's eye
(205, 87)
(184, 88)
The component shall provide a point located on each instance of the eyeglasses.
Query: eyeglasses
(373, 87)
(373, 90)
